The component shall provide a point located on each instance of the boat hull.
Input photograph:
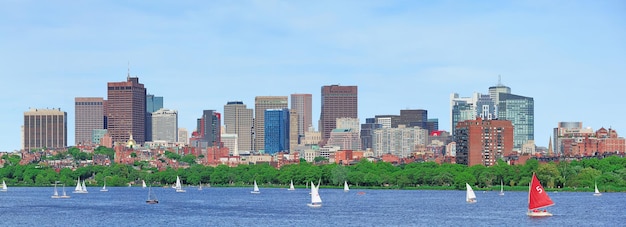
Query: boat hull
(180, 190)
(318, 205)
(153, 201)
(539, 214)
(597, 194)
(255, 192)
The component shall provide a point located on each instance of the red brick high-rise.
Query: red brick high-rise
(482, 142)
(126, 110)
(337, 102)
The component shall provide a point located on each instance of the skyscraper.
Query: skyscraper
(302, 105)
(520, 111)
(89, 116)
(153, 103)
(238, 120)
(482, 142)
(262, 103)
(367, 132)
(45, 128)
(165, 125)
(209, 129)
(126, 110)
(276, 130)
(337, 101)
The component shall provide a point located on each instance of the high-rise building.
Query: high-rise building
(276, 130)
(337, 101)
(367, 132)
(494, 91)
(345, 138)
(294, 138)
(89, 116)
(153, 103)
(520, 111)
(399, 141)
(302, 106)
(386, 121)
(482, 142)
(462, 109)
(238, 119)
(262, 103)
(44, 128)
(412, 118)
(183, 136)
(165, 125)
(209, 129)
(126, 110)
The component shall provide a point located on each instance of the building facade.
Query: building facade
(44, 128)
(483, 142)
(153, 103)
(89, 116)
(302, 104)
(238, 119)
(276, 130)
(165, 125)
(367, 132)
(337, 102)
(520, 111)
(126, 110)
(401, 141)
(262, 103)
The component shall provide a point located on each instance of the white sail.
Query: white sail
(78, 188)
(316, 200)
(501, 188)
(4, 186)
(55, 195)
(345, 186)
(596, 192)
(143, 184)
(64, 196)
(256, 189)
(470, 197)
(291, 188)
(83, 187)
(104, 187)
(179, 186)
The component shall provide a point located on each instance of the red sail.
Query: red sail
(537, 197)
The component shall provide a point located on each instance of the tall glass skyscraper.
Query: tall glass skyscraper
(276, 130)
(520, 111)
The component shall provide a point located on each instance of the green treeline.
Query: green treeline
(609, 173)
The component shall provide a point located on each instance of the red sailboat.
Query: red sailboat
(537, 199)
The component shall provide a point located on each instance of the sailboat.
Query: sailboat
(178, 186)
(55, 195)
(200, 187)
(256, 189)
(64, 196)
(316, 200)
(345, 186)
(537, 199)
(83, 187)
(143, 184)
(470, 197)
(291, 188)
(596, 193)
(79, 187)
(4, 187)
(151, 197)
(104, 187)
(501, 188)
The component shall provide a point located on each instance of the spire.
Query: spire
(499, 80)
(128, 75)
(550, 147)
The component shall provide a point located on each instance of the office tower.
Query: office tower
(230, 142)
(89, 116)
(462, 109)
(485, 107)
(183, 136)
(411, 118)
(386, 121)
(482, 142)
(367, 132)
(520, 111)
(238, 119)
(262, 103)
(126, 110)
(345, 139)
(165, 125)
(153, 103)
(432, 125)
(337, 101)
(302, 106)
(399, 141)
(494, 91)
(294, 138)
(276, 130)
(209, 129)
(44, 128)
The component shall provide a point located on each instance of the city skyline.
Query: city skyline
(401, 55)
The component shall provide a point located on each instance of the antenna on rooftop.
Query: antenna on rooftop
(499, 80)
(128, 77)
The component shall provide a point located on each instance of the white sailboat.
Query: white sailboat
(200, 187)
(83, 187)
(55, 195)
(597, 192)
(4, 187)
(104, 187)
(345, 186)
(470, 197)
(501, 188)
(151, 197)
(256, 189)
(316, 200)
(64, 196)
(291, 188)
(143, 184)
(179, 186)
(79, 187)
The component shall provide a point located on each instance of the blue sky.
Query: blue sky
(570, 56)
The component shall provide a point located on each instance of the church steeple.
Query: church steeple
(550, 152)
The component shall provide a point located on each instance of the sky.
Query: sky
(569, 55)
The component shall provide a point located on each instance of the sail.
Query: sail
(537, 197)
(4, 186)
(291, 186)
(143, 183)
(83, 187)
(56, 193)
(596, 190)
(78, 187)
(315, 195)
(345, 186)
(256, 188)
(501, 188)
(178, 184)
(469, 196)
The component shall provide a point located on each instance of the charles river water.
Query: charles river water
(125, 206)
